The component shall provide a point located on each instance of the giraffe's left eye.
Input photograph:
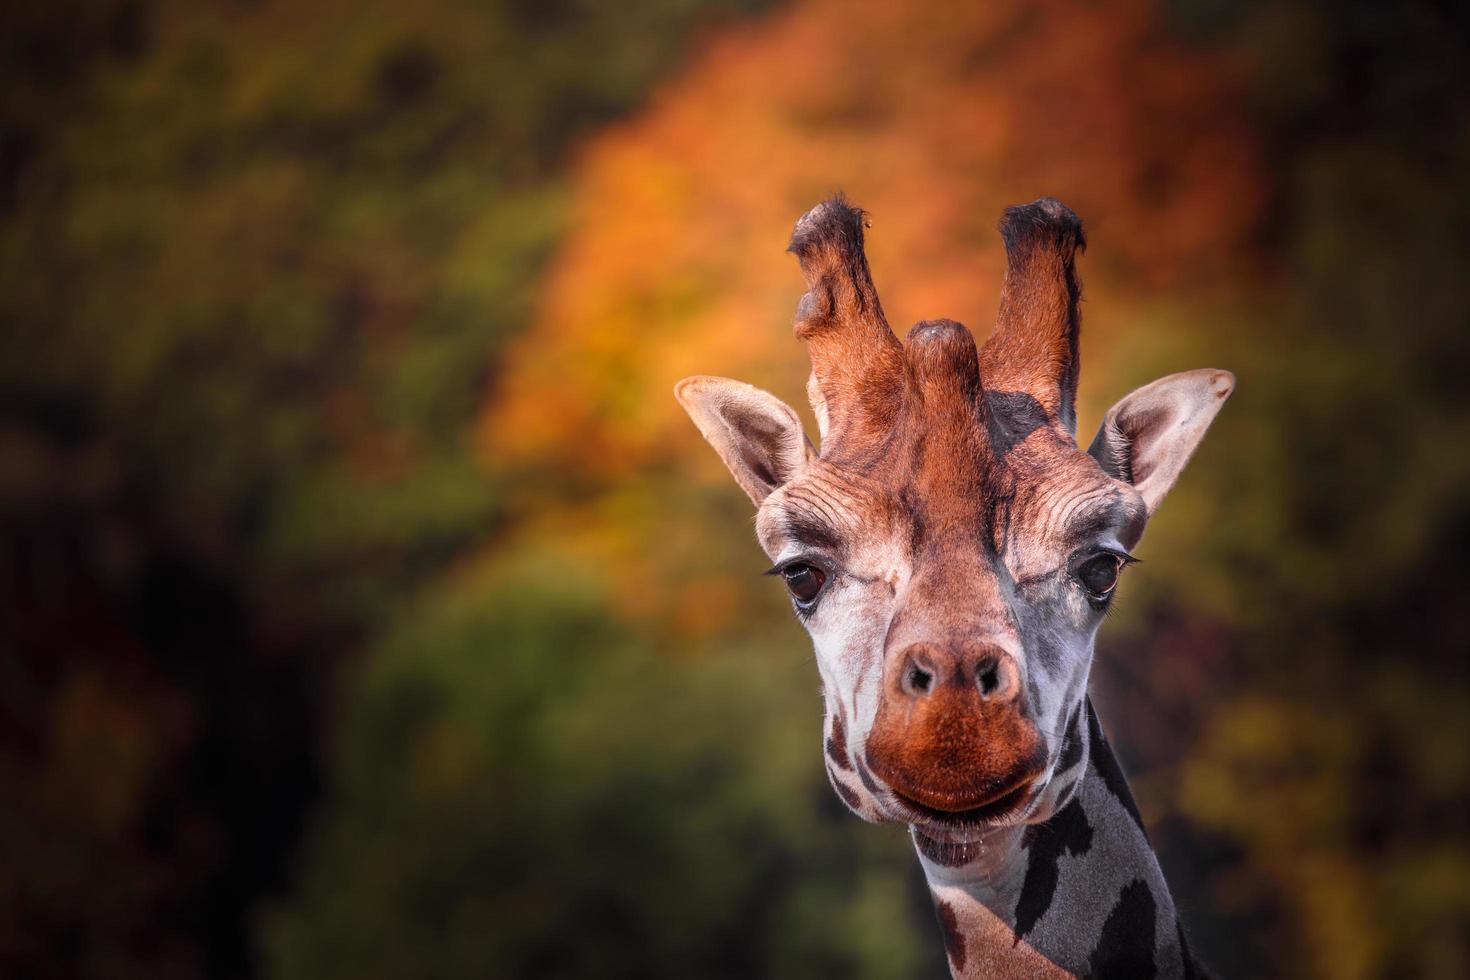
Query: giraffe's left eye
(1099, 574)
(804, 581)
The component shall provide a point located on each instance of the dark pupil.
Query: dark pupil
(1100, 574)
(804, 581)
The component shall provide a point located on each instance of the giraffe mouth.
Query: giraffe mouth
(942, 812)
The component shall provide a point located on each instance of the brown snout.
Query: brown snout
(951, 732)
(924, 671)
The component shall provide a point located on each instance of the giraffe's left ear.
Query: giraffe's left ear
(1147, 437)
(757, 434)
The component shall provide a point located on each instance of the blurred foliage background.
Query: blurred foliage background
(367, 608)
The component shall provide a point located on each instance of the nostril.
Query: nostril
(917, 680)
(987, 675)
(997, 678)
(918, 675)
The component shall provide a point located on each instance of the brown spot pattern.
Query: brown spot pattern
(954, 939)
(847, 795)
(837, 744)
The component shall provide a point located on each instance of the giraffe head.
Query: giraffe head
(950, 549)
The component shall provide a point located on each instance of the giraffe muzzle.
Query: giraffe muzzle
(952, 739)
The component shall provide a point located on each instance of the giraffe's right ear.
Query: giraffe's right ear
(757, 434)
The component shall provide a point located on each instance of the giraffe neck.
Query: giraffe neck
(1079, 894)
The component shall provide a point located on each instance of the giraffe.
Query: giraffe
(952, 551)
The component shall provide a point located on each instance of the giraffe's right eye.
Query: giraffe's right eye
(1099, 573)
(804, 581)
